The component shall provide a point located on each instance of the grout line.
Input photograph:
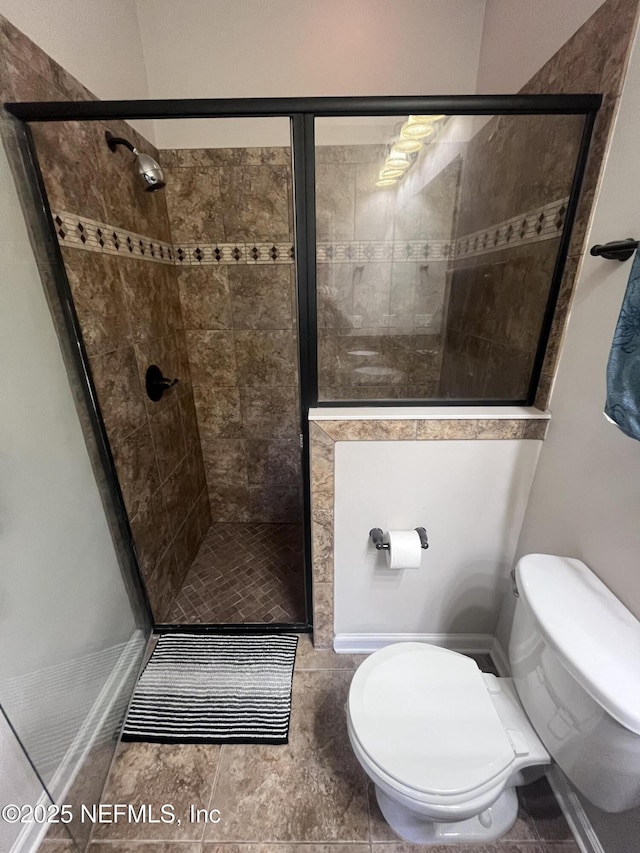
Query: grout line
(316, 843)
(366, 796)
(213, 789)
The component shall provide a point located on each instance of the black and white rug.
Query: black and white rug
(214, 688)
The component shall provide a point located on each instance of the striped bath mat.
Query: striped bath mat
(214, 688)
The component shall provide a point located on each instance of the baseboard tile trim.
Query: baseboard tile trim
(363, 644)
(579, 823)
(500, 658)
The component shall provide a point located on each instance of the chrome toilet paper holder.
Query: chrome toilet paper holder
(377, 535)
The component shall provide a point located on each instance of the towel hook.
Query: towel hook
(618, 250)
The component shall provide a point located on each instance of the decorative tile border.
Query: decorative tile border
(545, 223)
(372, 251)
(199, 254)
(79, 232)
(323, 436)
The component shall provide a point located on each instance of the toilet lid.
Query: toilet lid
(423, 714)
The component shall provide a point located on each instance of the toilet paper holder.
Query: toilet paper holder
(376, 535)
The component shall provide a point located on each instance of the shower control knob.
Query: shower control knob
(156, 384)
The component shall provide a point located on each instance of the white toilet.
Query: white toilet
(446, 745)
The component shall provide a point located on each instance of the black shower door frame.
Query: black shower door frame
(302, 113)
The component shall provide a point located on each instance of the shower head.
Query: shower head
(149, 169)
(150, 172)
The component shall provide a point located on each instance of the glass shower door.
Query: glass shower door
(437, 245)
(72, 631)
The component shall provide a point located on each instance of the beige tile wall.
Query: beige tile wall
(497, 300)
(379, 321)
(496, 307)
(594, 59)
(241, 328)
(130, 315)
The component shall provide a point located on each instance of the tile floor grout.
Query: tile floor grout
(213, 788)
(244, 573)
(313, 787)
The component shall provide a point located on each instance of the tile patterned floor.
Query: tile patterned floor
(244, 573)
(310, 795)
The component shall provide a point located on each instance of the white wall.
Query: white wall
(97, 42)
(283, 48)
(519, 36)
(585, 500)
(586, 496)
(244, 48)
(470, 496)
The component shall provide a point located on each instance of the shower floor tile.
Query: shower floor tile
(244, 573)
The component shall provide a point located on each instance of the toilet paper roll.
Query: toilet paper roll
(405, 550)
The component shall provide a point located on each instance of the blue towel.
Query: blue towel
(623, 369)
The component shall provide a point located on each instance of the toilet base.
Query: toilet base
(487, 826)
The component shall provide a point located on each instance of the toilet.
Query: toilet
(446, 745)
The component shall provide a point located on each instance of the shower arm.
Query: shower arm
(114, 141)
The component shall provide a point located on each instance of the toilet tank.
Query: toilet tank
(575, 659)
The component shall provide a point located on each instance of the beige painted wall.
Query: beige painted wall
(585, 501)
(151, 48)
(519, 36)
(242, 48)
(470, 495)
(98, 43)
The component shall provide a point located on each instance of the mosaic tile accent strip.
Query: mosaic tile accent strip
(198, 254)
(545, 223)
(79, 232)
(373, 251)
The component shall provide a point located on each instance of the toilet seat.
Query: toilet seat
(422, 718)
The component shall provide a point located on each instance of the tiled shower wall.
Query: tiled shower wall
(513, 165)
(381, 272)
(478, 347)
(129, 310)
(130, 315)
(593, 60)
(231, 223)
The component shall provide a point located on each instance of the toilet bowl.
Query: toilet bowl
(443, 743)
(446, 745)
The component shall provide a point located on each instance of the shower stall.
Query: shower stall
(181, 268)
(292, 254)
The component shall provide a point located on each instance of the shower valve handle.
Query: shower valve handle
(156, 384)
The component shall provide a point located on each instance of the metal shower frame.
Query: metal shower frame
(302, 113)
